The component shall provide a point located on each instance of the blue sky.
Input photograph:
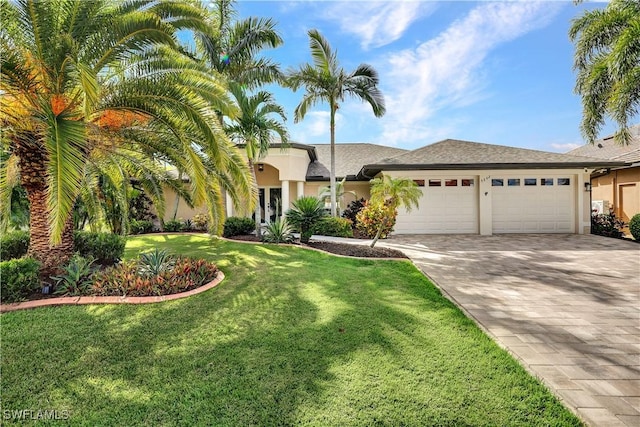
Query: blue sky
(493, 72)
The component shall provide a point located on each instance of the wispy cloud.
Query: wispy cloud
(446, 72)
(377, 24)
(315, 127)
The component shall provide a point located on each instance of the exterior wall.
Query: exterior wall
(582, 209)
(621, 188)
(184, 211)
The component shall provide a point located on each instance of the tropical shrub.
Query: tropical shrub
(173, 226)
(14, 245)
(104, 248)
(20, 278)
(236, 226)
(76, 276)
(124, 280)
(187, 225)
(332, 226)
(606, 225)
(352, 210)
(369, 218)
(278, 231)
(306, 212)
(155, 262)
(140, 226)
(634, 226)
(200, 222)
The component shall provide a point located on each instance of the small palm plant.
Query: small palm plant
(306, 212)
(278, 232)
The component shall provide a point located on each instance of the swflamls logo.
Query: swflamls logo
(35, 414)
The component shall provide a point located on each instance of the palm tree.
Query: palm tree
(81, 77)
(256, 127)
(392, 193)
(232, 48)
(326, 81)
(607, 60)
(325, 192)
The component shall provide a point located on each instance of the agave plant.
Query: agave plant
(76, 277)
(278, 231)
(156, 262)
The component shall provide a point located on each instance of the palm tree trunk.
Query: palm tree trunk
(332, 175)
(378, 234)
(33, 173)
(257, 211)
(177, 205)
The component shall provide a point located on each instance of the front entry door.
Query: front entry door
(270, 203)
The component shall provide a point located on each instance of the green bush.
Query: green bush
(76, 276)
(140, 226)
(104, 248)
(336, 227)
(634, 226)
(14, 245)
(278, 232)
(173, 226)
(306, 212)
(236, 226)
(369, 218)
(20, 278)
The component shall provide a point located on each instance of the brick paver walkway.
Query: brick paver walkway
(567, 306)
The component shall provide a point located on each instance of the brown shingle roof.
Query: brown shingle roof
(456, 154)
(349, 159)
(608, 148)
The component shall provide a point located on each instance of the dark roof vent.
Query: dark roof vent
(599, 145)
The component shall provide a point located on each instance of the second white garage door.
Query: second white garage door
(522, 204)
(449, 205)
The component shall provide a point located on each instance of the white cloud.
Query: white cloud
(377, 23)
(315, 127)
(564, 147)
(446, 71)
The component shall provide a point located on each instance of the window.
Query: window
(450, 182)
(514, 182)
(546, 181)
(467, 182)
(419, 182)
(435, 183)
(497, 182)
(564, 181)
(529, 181)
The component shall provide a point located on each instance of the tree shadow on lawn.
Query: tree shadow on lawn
(275, 346)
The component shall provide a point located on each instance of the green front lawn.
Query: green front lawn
(291, 336)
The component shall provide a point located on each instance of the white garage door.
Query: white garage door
(449, 205)
(522, 204)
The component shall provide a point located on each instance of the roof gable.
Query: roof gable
(350, 157)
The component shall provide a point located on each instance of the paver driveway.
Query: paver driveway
(567, 306)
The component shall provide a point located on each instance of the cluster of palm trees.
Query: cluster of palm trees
(97, 95)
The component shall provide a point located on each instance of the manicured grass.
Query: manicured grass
(290, 337)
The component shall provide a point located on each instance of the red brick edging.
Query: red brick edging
(110, 300)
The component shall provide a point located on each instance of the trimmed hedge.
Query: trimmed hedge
(634, 226)
(173, 226)
(14, 245)
(336, 227)
(20, 278)
(105, 248)
(236, 226)
(140, 226)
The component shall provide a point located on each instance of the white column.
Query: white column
(285, 196)
(485, 211)
(300, 190)
(228, 205)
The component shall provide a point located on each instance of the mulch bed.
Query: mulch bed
(362, 251)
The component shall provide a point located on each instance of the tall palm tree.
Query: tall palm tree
(77, 77)
(260, 119)
(392, 193)
(233, 47)
(607, 60)
(326, 81)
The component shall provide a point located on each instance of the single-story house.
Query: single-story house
(616, 188)
(468, 187)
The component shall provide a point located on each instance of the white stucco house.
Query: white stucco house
(468, 187)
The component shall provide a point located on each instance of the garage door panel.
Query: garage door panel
(533, 209)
